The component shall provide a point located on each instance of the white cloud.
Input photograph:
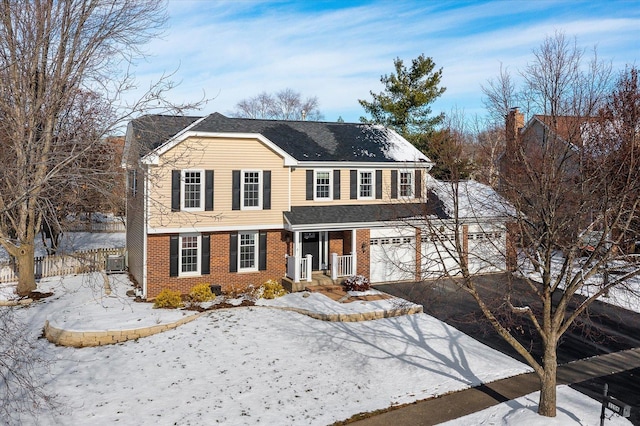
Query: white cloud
(234, 50)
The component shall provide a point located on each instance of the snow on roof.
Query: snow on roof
(394, 146)
(475, 200)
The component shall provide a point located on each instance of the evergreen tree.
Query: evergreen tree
(404, 105)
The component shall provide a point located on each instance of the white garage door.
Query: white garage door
(392, 255)
(439, 256)
(487, 252)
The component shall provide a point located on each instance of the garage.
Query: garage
(487, 248)
(392, 255)
(439, 256)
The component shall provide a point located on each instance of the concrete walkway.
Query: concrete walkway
(457, 404)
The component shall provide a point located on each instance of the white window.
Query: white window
(247, 251)
(251, 189)
(406, 184)
(192, 190)
(366, 189)
(323, 187)
(189, 257)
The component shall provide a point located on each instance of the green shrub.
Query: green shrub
(272, 289)
(201, 293)
(170, 299)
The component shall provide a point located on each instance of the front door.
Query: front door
(311, 245)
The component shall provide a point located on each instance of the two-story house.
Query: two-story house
(236, 202)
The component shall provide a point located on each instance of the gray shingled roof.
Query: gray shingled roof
(363, 213)
(303, 140)
(151, 131)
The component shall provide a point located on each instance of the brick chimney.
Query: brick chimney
(513, 124)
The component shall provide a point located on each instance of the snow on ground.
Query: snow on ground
(573, 409)
(625, 295)
(75, 241)
(247, 365)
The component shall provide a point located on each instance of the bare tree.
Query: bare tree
(61, 86)
(568, 182)
(487, 148)
(287, 104)
(21, 371)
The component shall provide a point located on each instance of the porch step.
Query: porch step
(320, 279)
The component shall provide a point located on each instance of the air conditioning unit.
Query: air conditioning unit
(115, 264)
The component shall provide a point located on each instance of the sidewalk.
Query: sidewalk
(458, 404)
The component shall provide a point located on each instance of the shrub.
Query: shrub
(201, 293)
(168, 299)
(356, 283)
(272, 289)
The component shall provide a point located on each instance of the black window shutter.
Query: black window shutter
(233, 252)
(204, 254)
(379, 184)
(173, 256)
(309, 184)
(266, 189)
(336, 184)
(418, 183)
(353, 184)
(208, 190)
(262, 247)
(394, 184)
(235, 177)
(175, 190)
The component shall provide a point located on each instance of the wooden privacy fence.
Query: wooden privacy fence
(78, 262)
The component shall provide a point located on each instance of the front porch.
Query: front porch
(319, 258)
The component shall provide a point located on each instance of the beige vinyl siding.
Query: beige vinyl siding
(299, 182)
(222, 156)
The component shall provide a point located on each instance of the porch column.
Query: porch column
(354, 252)
(296, 254)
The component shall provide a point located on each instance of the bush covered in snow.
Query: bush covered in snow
(356, 283)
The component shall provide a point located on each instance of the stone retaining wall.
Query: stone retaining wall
(364, 316)
(81, 339)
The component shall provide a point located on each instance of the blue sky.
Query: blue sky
(337, 50)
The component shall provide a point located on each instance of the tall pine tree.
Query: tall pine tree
(404, 105)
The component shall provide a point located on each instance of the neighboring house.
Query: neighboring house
(544, 137)
(236, 202)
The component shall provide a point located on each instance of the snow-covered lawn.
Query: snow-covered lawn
(248, 365)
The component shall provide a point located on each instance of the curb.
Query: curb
(83, 339)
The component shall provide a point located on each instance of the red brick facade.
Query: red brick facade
(158, 264)
(363, 251)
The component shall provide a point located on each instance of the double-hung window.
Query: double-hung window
(189, 255)
(247, 251)
(192, 189)
(406, 184)
(366, 190)
(323, 185)
(251, 189)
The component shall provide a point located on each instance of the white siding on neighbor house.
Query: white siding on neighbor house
(392, 254)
